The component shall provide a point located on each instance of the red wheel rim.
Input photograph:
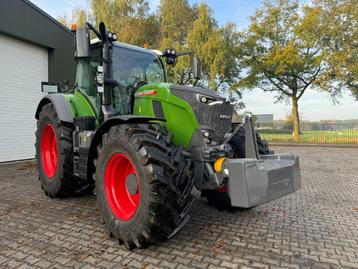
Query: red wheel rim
(222, 189)
(49, 155)
(122, 201)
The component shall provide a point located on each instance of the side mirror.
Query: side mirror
(82, 44)
(49, 87)
(196, 67)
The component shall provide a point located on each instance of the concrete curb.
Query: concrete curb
(315, 145)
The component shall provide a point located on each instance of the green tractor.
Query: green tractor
(141, 144)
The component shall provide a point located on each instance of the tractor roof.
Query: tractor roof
(155, 53)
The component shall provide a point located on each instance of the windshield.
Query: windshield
(133, 68)
(131, 65)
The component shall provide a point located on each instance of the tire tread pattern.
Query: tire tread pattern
(166, 210)
(66, 183)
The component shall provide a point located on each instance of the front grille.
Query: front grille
(218, 116)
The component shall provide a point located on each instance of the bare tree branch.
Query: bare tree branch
(277, 86)
(217, 87)
(309, 83)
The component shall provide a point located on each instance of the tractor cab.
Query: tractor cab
(120, 70)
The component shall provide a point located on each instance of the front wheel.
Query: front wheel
(143, 185)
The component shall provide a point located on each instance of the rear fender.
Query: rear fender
(61, 105)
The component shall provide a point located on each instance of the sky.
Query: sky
(313, 105)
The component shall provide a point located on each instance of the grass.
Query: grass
(316, 137)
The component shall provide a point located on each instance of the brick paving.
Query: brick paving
(316, 227)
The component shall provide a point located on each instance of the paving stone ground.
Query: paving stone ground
(317, 227)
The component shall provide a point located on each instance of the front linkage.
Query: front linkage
(258, 177)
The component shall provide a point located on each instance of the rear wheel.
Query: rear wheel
(54, 155)
(143, 185)
(220, 197)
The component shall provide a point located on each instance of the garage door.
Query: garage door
(22, 68)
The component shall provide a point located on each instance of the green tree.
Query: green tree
(130, 19)
(217, 47)
(224, 68)
(281, 54)
(176, 17)
(203, 38)
(197, 31)
(339, 39)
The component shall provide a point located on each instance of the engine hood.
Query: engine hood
(196, 90)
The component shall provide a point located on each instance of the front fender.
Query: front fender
(105, 126)
(116, 120)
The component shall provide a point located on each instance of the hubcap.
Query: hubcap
(122, 186)
(49, 155)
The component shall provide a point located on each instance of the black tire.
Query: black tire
(163, 179)
(238, 144)
(217, 198)
(220, 198)
(62, 183)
